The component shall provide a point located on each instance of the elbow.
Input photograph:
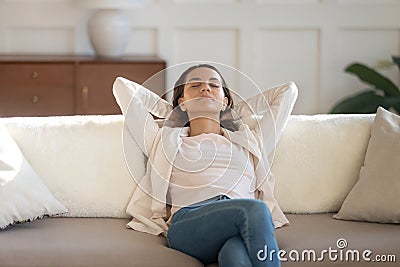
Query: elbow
(292, 89)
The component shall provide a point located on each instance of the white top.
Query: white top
(208, 165)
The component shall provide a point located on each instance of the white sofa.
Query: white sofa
(81, 161)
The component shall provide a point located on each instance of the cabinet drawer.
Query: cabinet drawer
(39, 75)
(36, 101)
(94, 95)
(41, 85)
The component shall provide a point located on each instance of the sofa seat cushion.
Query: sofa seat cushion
(321, 231)
(107, 242)
(85, 242)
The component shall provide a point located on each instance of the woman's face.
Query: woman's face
(203, 89)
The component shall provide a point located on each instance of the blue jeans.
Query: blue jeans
(228, 231)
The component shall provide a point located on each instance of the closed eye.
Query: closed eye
(196, 84)
(215, 85)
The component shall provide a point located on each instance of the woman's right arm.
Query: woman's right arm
(137, 104)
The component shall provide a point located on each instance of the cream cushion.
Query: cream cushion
(375, 197)
(81, 160)
(23, 195)
(317, 161)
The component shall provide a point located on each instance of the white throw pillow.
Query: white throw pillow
(10, 157)
(23, 195)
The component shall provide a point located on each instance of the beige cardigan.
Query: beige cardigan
(265, 114)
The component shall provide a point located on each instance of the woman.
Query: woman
(216, 180)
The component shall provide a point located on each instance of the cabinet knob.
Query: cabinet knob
(85, 96)
(35, 99)
(35, 74)
(85, 90)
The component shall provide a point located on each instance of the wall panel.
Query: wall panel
(366, 2)
(285, 2)
(290, 55)
(271, 41)
(215, 44)
(142, 41)
(218, 45)
(368, 46)
(25, 40)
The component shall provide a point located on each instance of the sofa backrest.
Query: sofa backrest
(318, 159)
(81, 160)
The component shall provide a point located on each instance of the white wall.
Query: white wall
(272, 41)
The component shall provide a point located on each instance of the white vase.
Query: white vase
(109, 32)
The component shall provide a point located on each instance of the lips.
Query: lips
(202, 97)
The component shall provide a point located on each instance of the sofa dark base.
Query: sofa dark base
(107, 242)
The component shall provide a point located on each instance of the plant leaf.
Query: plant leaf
(397, 108)
(364, 102)
(374, 78)
(397, 61)
(391, 101)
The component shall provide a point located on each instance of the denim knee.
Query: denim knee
(256, 208)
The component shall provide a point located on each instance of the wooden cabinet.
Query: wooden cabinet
(45, 85)
(36, 89)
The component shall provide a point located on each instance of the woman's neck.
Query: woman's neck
(204, 125)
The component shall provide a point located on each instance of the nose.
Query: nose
(205, 87)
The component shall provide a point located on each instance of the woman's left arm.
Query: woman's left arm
(274, 107)
(280, 101)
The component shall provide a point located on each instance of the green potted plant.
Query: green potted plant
(382, 92)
